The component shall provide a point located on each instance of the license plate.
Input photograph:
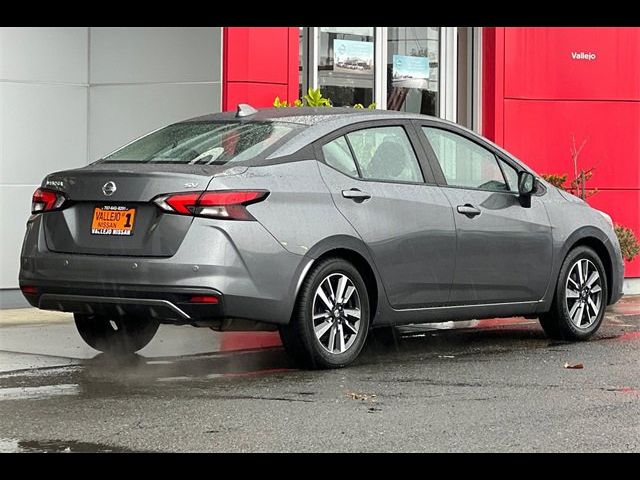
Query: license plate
(113, 220)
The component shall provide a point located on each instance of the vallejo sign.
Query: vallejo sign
(587, 56)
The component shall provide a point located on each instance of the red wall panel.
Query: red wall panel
(258, 54)
(624, 208)
(540, 134)
(539, 63)
(493, 84)
(536, 97)
(256, 94)
(259, 63)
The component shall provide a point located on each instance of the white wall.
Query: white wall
(71, 95)
(144, 78)
(43, 122)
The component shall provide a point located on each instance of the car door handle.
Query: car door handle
(468, 210)
(355, 194)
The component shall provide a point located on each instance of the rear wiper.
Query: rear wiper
(166, 160)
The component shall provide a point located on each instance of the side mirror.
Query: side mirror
(526, 183)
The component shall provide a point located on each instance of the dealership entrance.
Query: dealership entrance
(532, 90)
(428, 70)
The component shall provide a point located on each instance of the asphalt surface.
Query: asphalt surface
(491, 386)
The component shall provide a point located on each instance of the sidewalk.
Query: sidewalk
(26, 316)
(627, 306)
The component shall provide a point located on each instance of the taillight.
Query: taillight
(46, 200)
(227, 204)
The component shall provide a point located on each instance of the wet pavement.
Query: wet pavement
(482, 386)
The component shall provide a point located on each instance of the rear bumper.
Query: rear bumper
(254, 277)
(171, 304)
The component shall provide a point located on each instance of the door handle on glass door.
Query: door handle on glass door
(468, 210)
(355, 194)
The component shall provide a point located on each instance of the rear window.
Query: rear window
(205, 143)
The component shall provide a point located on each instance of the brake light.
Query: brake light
(46, 200)
(183, 203)
(228, 204)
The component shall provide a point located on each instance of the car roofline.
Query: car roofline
(322, 120)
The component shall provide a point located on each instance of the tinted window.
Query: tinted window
(385, 153)
(465, 163)
(205, 143)
(338, 155)
(511, 174)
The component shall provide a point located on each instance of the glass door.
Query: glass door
(429, 70)
(346, 64)
(413, 69)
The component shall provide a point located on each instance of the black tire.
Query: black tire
(129, 335)
(299, 337)
(557, 323)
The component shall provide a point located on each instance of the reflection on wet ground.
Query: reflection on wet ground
(8, 445)
(260, 354)
(209, 365)
(213, 398)
(102, 372)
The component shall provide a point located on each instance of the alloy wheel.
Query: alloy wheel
(336, 313)
(583, 293)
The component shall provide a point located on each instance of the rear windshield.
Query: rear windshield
(205, 143)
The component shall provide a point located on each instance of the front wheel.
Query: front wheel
(331, 319)
(580, 297)
(115, 334)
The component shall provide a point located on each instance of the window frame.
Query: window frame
(412, 136)
(500, 161)
(435, 164)
(351, 152)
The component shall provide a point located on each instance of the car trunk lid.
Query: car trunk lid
(110, 211)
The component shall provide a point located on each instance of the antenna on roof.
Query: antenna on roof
(244, 110)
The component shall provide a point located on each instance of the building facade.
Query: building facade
(70, 95)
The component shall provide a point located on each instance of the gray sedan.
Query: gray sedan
(323, 223)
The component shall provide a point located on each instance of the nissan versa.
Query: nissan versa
(322, 223)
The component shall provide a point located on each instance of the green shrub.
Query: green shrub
(628, 242)
(313, 98)
(553, 179)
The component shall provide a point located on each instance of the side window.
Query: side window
(385, 153)
(337, 154)
(511, 174)
(465, 163)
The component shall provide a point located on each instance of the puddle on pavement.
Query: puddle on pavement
(10, 445)
(254, 373)
(621, 336)
(630, 336)
(173, 379)
(625, 390)
(102, 373)
(136, 369)
(629, 391)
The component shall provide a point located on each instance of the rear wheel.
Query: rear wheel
(580, 297)
(116, 335)
(331, 318)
